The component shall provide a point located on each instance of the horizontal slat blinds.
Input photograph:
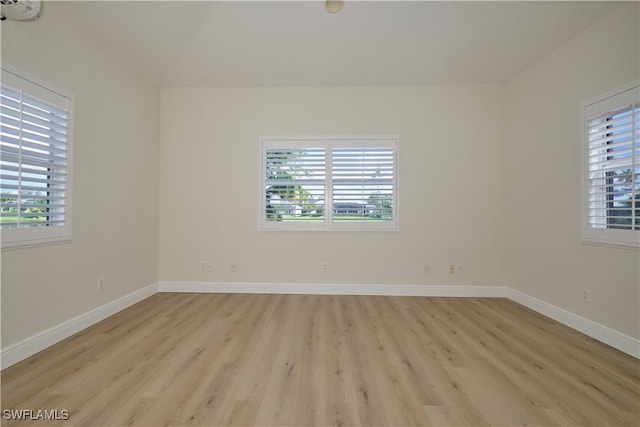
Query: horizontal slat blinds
(363, 184)
(325, 184)
(34, 156)
(294, 184)
(614, 167)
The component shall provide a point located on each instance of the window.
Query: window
(35, 162)
(612, 142)
(315, 183)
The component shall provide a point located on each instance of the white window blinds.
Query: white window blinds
(613, 167)
(329, 184)
(363, 183)
(295, 184)
(34, 162)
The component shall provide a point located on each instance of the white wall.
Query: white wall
(543, 165)
(451, 205)
(115, 182)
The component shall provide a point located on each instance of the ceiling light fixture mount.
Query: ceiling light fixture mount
(333, 6)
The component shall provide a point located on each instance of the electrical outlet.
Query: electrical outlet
(427, 269)
(233, 267)
(452, 269)
(100, 285)
(459, 269)
(586, 295)
(206, 266)
(325, 267)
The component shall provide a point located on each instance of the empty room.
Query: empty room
(320, 213)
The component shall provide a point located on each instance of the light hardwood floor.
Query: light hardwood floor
(300, 360)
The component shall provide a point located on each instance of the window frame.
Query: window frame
(34, 88)
(603, 105)
(328, 143)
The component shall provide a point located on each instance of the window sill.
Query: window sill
(612, 244)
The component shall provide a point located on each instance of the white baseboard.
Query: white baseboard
(334, 289)
(588, 327)
(38, 342)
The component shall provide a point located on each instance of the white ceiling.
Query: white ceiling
(297, 43)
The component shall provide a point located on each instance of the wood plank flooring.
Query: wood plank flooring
(302, 360)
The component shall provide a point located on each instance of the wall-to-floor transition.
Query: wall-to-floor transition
(543, 170)
(490, 178)
(115, 182)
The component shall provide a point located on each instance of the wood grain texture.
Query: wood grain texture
(303, 360)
